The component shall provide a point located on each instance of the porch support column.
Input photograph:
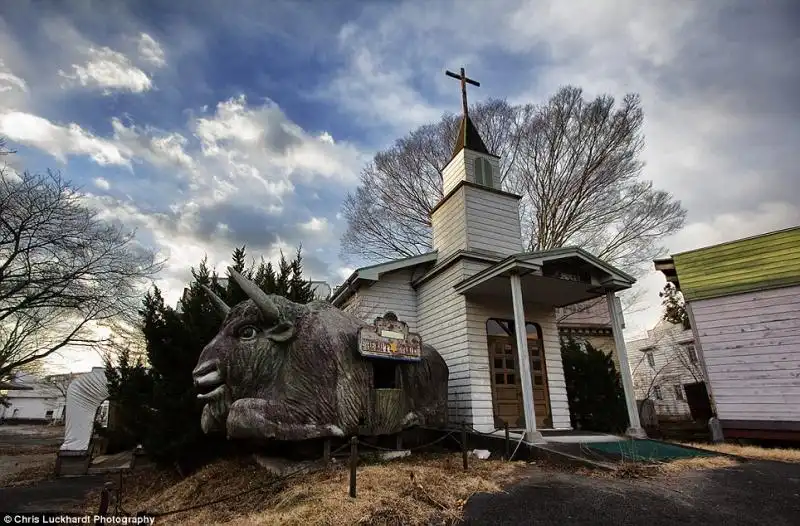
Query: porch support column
(635, 429)
(531, 435)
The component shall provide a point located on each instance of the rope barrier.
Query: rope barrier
(515, 449)
(429, 444)
(275, 482)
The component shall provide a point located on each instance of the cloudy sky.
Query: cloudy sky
(207, 125)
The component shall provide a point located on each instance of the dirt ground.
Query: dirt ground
(27, 452)
(751, 492)
(710, 490)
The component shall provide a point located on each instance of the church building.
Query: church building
(487, 306)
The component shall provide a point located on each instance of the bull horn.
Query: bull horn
(218, 303)
(259, 297)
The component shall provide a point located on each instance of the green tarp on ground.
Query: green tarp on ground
(646, 450)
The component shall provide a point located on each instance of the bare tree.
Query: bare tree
(673, 362)
(575, 163)
(62, 270)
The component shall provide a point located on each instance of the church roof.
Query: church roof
(374, 273)
(469, 138)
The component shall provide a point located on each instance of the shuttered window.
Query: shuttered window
(483, 172)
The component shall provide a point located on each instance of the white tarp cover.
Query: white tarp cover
(84, 396)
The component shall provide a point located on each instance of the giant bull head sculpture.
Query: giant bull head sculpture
(286, 371)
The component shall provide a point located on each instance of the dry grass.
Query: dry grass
(37, 471)
(19, 450)
(636, 470)
(754, 452)
(420, 490)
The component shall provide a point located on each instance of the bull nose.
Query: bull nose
(212, 378)
(206, 367)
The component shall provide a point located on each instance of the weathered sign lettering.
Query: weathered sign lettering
(389, 338)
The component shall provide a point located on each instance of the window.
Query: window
(678, 392)
(483, 172)
(657, 392)
(691, 352)
(651, 359)
(384, 374)
(48, 414)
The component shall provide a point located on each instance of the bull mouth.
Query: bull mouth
(208, 380)
(211, 388)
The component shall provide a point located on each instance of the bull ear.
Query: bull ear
(218, 303)
(259, 297)
(281, 332)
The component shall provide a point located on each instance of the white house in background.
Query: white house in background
(39, 400)
(661, 365)
(487, 306)
(743, 301)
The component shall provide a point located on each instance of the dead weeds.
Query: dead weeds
(36, 472)
(753, 452)
(429, 489)
(640, 470)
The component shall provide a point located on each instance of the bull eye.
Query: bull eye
(248, 333)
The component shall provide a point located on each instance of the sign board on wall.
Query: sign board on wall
(389, 338)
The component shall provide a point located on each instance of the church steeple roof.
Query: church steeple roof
(468, 136)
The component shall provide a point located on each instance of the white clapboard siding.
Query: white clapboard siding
(755, 376)
(392, 293)
(492, 222)
(672, 368)
(442, 324)
(469, 167)
(454, 172)
(478, 313)
(449, 232)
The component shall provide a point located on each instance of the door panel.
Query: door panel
(506, 385)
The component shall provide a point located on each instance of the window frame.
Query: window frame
(650, 356)
(480, 166)
(691, 351)
(657, 392)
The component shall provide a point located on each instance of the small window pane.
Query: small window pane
(532, 330)
(499, 378)
(537, 380)
(487, 173)
(498, 363)
(511, 379)
(510, 364)
(537, 365)
(494, 328)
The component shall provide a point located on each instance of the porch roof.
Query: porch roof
(564, 276)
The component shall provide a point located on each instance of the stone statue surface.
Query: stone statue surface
(286, 371)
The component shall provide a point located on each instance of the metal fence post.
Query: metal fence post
(464, 444)
(508, 442)
(353, 464)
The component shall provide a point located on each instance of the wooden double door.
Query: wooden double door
(507, 387)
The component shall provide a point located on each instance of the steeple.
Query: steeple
(474, 214)
(468, 136)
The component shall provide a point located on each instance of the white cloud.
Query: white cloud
(109, 71)
(101, 183)
(9, 81)
(151, 51)
(60, 141)
(159, 148)
(720, 120)
(261, 143)
(315, 224)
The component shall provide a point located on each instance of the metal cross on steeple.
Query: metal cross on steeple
(464, 81)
